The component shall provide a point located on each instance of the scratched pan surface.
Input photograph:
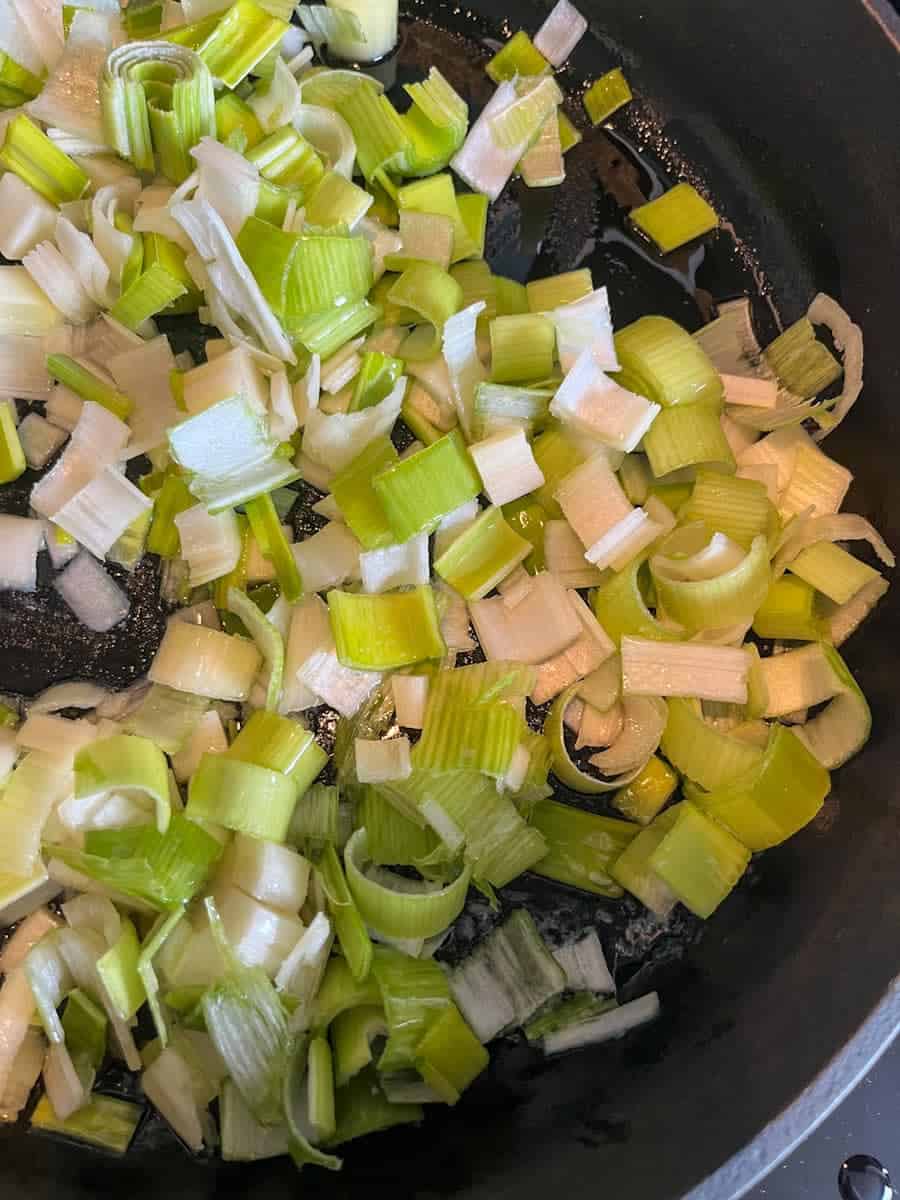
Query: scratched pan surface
(805, 175)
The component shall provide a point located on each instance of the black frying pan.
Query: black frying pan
(788, 116)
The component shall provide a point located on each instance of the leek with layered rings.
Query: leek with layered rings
(569, 605)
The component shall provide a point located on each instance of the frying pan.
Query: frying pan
(787, 117)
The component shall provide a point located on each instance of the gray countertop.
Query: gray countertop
(867, 1122)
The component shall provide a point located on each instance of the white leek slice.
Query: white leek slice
(211, 545)
(143, 373)
(97, 440)
(205, 662)
(20, 540)
(342, 688)
(95, 599)
(817, 482)
(382, 761)
(596, 405)
(309, 632)
(626, 539)
(274, 875)
(778, 449)
(301, 972)
(506, 465)
(70, 98)
(564, 556)
(56, 737)
(592, 499)
(113, 244)
(16, 1011)
(608, 1026)
(17, 42)
(401, 565)
(330, 135)
(260, 936)
(226, 180)
(643, 722)
(23, 1074)
(745, 390)
(480, 162)
(583, 657)
(585, 965)
(99, 513)
(333, 441)
(207, 737)
(560, 33)
(40, 440)
(231, 372)
(844, 619)
(541, 624)
(230, 274)
(465, 369)
(840, 527)
(277, 104)
(328, 558)
(410, 694)
(26, 218)
(168, 1084)
(44, 22)
(23, 363)
(454, 619)
(60, 283)
(651, 668)
(268, 640)
(585, 324)
(849, 341)
(73, 694)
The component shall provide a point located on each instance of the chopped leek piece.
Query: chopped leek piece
(482, 555)
(382, 632)
(87, 385)
(710, 757)
(352, 1034)
(235, 116)
(556, 290)
(737, 507)
(398, 907)
(348, 922)
(804, 365)
(12, 457)
(581, 846)
(772, 801)
(686, 436)
(788, 611)
(509, 977)
(376, 379)
(124, 765)
(118, 970)
(151, 293)
(633, 871)
(522, 348)
(613, 1024)
(30, 154)
(382, 141)
(362, 1108)
(699, 860)
(84, 1025)
(832, 571)
(165, 870)
(717, 592)
(677, 216)
(287, 159)
(415, 993)
(239, 39)
(449, 1057)
(431, 295)
(157, 101)
(104, 1122)
(655, 668)
(242, 796)
(518, 57)
(418, 491)
(436, 123)
(273, 544)
(354, 493)
(649, 791)
(661, 361)
(606, 95)
(620, 608)
(559, 1017)
(473, 209)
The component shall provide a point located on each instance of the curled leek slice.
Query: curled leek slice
(399, 907)
(715, 586)
(157, 101)
(642, 729)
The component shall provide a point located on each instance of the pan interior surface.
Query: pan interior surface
(792, 964)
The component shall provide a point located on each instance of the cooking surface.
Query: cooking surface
(868, 1122)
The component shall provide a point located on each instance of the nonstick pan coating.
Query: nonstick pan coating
(787, 119)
